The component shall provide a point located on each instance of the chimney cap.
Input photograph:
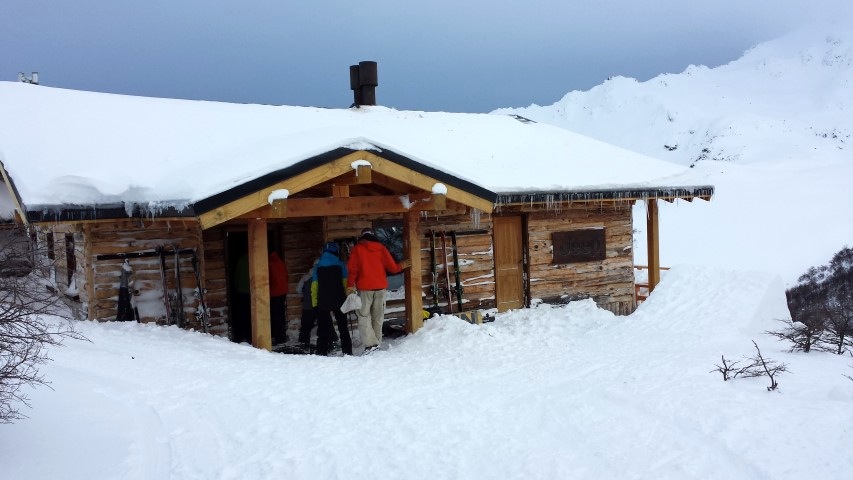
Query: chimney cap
(368, 74)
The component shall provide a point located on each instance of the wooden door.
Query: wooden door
(509, 271)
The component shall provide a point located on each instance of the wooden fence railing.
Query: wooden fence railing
(641, 289)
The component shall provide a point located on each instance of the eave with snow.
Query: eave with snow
(93, 158)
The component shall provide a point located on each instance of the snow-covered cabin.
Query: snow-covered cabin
(539, 213)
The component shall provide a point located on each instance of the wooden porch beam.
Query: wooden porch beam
(424, 182)
(329, 172)
(370, 204)
(259, 284)
(340, 191)
(362, 175)
(294, 185)
(20, 216)
(412, 276)
(653, 243)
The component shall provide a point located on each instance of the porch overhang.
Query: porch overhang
(337, 166)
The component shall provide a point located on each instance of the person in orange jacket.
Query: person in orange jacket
(278, 298)
(368, 265)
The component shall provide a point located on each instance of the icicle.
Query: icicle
(475, 217)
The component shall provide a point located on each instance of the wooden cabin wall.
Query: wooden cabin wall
(215, 281)
(610, 282)
(474, 247)
(302, 241)
(67, 239)
(476, 260)
(128, 236)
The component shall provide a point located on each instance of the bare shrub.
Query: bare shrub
(839, 301)
(32, 318)
(761, 366)
(803, 336)
(729, 369)
(755, 366)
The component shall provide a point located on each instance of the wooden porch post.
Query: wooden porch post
(412, 276)
(653, 243)
(259, 284)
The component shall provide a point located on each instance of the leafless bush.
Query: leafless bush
(32, 318)
(803, 336)
(761, 366)
(728, 369)
(839, 301)
(755, 366)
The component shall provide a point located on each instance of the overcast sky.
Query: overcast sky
(452, 55)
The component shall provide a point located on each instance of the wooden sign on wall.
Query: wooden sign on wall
(578, 246)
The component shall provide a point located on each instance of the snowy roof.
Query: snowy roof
(84, 148)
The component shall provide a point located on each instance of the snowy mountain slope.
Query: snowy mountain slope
(784, 99)
(772, 130)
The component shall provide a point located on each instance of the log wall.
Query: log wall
(215, 281)
(302, 242)
(68, 239)
(610, 282)
(127, 236)
(476, 262)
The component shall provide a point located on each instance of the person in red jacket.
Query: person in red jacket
(278, 298)
(368, 265)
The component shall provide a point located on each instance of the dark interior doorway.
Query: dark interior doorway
(237, 272)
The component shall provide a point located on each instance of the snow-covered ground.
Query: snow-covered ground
(570, 392)
(773, 131)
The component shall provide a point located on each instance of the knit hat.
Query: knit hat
(367, 231)
(331, 247)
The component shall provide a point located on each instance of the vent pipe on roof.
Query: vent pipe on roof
(363, 80)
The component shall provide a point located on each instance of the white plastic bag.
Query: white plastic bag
(353, 302)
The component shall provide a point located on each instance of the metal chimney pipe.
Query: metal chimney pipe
(355, 85)
(369, 80)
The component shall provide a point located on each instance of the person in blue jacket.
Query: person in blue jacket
(328, 292)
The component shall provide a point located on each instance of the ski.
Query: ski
(457, 271)
(449, 290)
(434, 292)
(201, 314)
(179, 296)
(166, 300)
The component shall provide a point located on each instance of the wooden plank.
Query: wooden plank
(90, 272)
(13, 195)
(298, 183)
(412, 275)
(362, 175)
(424, 182)
(259, 284)
(332, 206)
(509, 287)
(328, 172)
(340, 191)
(653, 243)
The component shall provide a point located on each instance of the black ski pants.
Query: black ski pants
(325, 331)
